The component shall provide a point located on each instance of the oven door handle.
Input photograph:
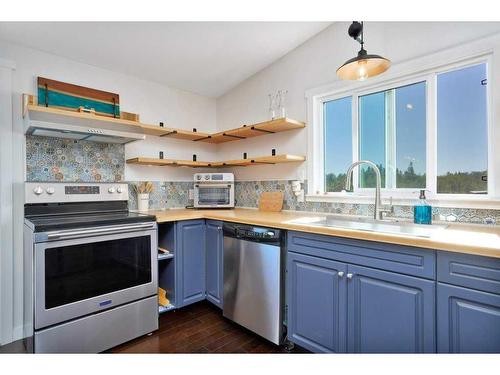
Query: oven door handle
(67, 234)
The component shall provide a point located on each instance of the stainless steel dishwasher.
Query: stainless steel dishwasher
(254, 279)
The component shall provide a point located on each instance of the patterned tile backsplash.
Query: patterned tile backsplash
(164, 195)
(176, 194)
(55, 159)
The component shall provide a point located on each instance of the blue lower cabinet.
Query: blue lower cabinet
(190, 262)
(389, 312)
(214, 251)
(316, 303)
(468, 321)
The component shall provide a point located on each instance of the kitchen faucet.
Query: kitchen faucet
(379, 211)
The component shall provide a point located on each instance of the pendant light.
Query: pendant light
(362, 66)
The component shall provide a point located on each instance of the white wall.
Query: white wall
(313, 64)
(154, 103)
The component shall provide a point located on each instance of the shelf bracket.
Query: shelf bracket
(202, 138)
(233, 136)
(169, 133)
(262, 130)
(261, 162)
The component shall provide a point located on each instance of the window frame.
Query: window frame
(317, 98)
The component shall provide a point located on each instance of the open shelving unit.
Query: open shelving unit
(35, 112)
(166, 264)
(274, 159)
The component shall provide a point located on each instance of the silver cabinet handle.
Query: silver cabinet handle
(219, 228)
(349, 276)
(341, 273)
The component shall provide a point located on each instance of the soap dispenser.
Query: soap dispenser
(422, 211)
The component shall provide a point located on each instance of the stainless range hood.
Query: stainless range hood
(54, 122)
(81, 133)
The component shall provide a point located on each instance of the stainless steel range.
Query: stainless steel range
(91, 268)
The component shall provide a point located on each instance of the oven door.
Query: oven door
(214, 195)
(83, 271)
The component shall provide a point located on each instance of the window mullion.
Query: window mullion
(390, 139)
(431, 135)
(355, 139)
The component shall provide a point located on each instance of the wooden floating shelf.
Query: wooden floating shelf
(285, 158)
(250, 131)
(51, 114)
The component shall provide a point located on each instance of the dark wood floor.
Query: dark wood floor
(199, 328)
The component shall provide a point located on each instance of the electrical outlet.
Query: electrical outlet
(191, 194)
(300, 196)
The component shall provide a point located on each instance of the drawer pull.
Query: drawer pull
(349, 276)
(341, 273)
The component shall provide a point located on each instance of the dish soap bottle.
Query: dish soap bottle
(422, 213)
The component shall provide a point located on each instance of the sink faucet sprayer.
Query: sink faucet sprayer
(379, 210)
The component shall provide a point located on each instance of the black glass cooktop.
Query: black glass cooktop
(46, 218)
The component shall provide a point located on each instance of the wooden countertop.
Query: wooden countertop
(461, 238)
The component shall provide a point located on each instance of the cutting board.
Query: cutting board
(271, 201)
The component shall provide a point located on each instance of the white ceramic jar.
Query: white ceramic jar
(143, 202)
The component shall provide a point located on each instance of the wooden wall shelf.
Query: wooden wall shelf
(262, 160)
(50, 114)
(250, 131)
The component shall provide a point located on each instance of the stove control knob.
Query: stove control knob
(207, 177)
(50, 190)
(38, 190)
(198, 177)
(111, 190)
(119, 189)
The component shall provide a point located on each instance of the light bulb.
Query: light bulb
(362, 72)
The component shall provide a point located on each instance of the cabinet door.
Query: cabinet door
(389, 312)
(214, 253)
(468, 321)
(316, 303)
(190, 258)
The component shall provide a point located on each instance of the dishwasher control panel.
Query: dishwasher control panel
(251, 233)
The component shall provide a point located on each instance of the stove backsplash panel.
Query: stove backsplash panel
(67, 160)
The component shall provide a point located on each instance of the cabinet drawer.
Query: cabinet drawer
(472, 271)
(397, 258)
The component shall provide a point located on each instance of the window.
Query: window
(338, 142)
(462, 131)
(428, 132)
(392, 135)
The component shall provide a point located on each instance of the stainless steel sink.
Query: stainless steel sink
(389, 226)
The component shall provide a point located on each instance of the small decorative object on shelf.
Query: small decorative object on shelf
(273, 152)
(272, 106)
(129, 116)
(71, 97)
(162, 297)
(282, 102)
(244, 155)
(161, 154)
(194, 157)
(161, 124)
(142, 190)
